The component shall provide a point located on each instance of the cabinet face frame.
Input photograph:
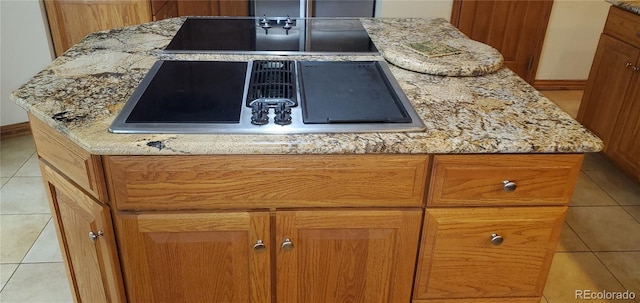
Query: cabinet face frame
(94, 274)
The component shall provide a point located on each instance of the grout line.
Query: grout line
(611, 272)
(34, 243)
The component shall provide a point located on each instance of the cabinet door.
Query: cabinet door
(72, 20)
(91, 262)
(625, 149)
(346, 256)
(608, 82)
(460, 256)
(213, 7)
(195, 257)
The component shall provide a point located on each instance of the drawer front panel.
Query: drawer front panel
(211, 182)
(458, 258)
(479, 180)
(623, 25)
(74, 162)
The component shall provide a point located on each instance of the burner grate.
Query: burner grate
(272, 82)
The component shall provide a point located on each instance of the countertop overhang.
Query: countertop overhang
(83, 90)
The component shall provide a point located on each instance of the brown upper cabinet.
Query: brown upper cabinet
(71, 20)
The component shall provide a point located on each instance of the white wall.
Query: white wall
(571, 40)
(414, 8)
(25, 49)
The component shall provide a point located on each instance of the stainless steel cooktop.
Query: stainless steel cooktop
(268, 97)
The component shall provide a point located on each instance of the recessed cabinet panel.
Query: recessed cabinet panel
(487, 252)
(346, 256)
(206, 257)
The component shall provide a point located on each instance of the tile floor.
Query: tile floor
(599, 247)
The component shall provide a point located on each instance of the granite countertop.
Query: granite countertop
(82, 91)
(629, 5)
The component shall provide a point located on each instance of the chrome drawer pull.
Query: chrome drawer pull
(496, 240)
(259, 246)
(93, 236)
(628, 64)
(509, 186)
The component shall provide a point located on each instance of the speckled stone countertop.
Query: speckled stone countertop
(629, 5)
(82, 91)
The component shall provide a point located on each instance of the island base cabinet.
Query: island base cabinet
(486, 254)
(86, 240)
(346, 256)
(197, 257)
(306, 256)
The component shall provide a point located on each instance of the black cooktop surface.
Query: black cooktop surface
(190, 92)
(202, 34)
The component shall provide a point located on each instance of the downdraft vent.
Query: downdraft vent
(272, 82)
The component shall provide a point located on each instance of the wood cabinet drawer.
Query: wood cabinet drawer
(73, 161)
(623, 25)
(458, 259)
(265, 181)
(478, 180)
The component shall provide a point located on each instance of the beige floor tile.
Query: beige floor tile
(588, 193)
(11, 159)
(18, 233)
(634, 211)
(569, 241)
(597, 161)
(42, 282)
(46, 248)
(567, 100)
(571, 272)
(605, 228)
(543, 300)
(625, 266)
(3, 181)
(24, 195)
(31, 168)
(618, 186)
(18, 142)
(6, 270)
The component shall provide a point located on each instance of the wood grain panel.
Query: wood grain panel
(347, 256)
(625, 146)
(92, 267)
(482, 300)
(195, 257)
(458, 260)
(262, 181)
(74, 162)
(477, 180)
(609, 80)
(623, 25)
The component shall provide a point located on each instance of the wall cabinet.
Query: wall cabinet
(609, 106)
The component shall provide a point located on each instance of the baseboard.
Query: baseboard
(560, 84)
(14, 130)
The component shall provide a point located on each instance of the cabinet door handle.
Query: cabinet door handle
(509, 186)
(628, 64)
(94, 236)
(635, 68)
(496, 239)
(259, 246)
(287, 245)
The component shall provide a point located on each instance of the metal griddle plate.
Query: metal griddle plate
(348, 92)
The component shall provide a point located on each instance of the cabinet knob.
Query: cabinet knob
(509, 186)
(287, 245)
(628, 64)
(635, 68)
(259, 246)
(496, 239)
(94, 236)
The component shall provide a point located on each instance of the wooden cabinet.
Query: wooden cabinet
(86, 240)
(321, 256)
(488, 250)
(71, 20)
(346, 255)
(611, 94)
(213, 7)
(196, 257)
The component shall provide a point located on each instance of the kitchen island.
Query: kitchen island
(470, 210)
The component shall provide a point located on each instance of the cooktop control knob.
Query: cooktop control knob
(259, 113)
(283, 114)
